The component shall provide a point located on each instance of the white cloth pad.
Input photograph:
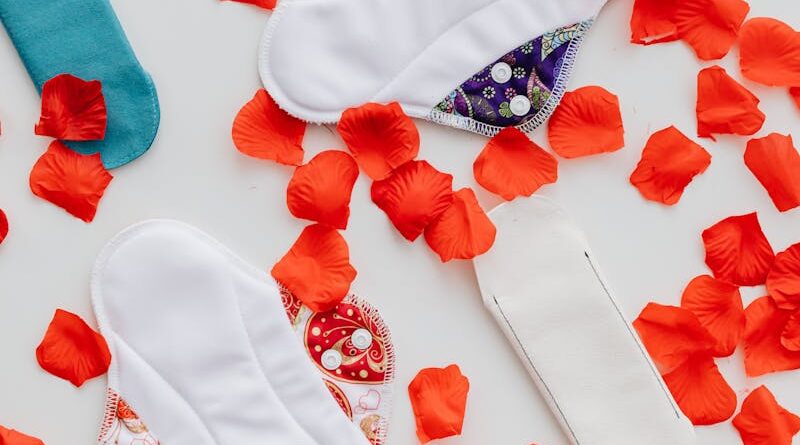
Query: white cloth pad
(320, 57)
(202, 350)
(545, 290)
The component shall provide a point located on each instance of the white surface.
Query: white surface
(202, 55)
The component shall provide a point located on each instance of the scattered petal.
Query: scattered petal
(317, 268)
(381, 137)
(70, 180)
(669, 162)
(795, 93)
(724, 106)
(12, 437)
(763, 351)
(320, 190)
(72, 350)
(653, 21)
(3, 226)
(512, 165)
(790, 337)
(463, 231)
(783, 280)
(710, 27)
(266, 4)
(763, 422)
(672, 335)
(587, 122)
(718, 307)
(769, 52)
(737, 250)
(413, 196)
(263, 130)
(775, 163)
(72, 109)
(701, 391)
(439, 400)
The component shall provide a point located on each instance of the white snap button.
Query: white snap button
(331, 359)
(501, 72)
(362, 339)
(520, 105)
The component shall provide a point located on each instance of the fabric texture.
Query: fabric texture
(544, 288)
(85, 39)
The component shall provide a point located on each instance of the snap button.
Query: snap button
(520, 105)
(362, 339)
(331, 360)
(501, 72)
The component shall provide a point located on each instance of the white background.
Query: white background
(202, 55)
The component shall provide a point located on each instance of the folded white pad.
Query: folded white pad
(480, 65)
(545, 290)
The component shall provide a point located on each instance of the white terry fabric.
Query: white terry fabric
(544, 288)
(320, 57)
(201, 347)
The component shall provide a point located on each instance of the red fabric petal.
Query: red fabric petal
(737, 250)
(701, 391)
(317, 268)
(72, 350)
(710, 27)
(795, 93)
(70, 180)
(669, 162)
(672, 335)
(320, 190)
(587, 122)
(783, 280)
(769, 52)
(3, 226)
(653, 21)
(763, 422)
(463, 231)
(512, 165)
(413, 196)
(12, 437)
(790, 337)
(381, 137)
(763, 351)
(725, 106)
(718, 307)
(72, 109)
(266, 4)
(439, 399)
(775, 163)
(263, 130)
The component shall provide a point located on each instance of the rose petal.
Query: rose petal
(725, 106)
(653, 21)
(775, 163)
(718, 307)
(413, 196)
(587, 122)
(783, 280)
(320, 190)
(70, 180)
(266, 4)
(72, 109)
(72, 350)
(795, 93)
(3, 226)
(12, 437)
(317, 268)
(763, 422)
(790, 337)
(701, 391)
(710, 27)
(672, 335)
(463, 231)
(439, 399)
(669, 162)
(381, 137)
(263, 130)
(737, 250)
(763, 351)
(769, 52)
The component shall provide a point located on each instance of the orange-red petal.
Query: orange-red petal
(587, 122)
(72, 350)
(13, 437)
(701, 391)
(317, 268)
(463, 231)
(672, 335)
(795, 93)
(70, 180)
(737, 250)
(3, 226)
(266, 4)
(710, 27)
(72, 109)
(381, 137)
(769, 52)
(413, 196)
(763, 351)
(790, 337)
(263, 130)
(439, 400)
(669, 162)
(775, 162)
(320, 190)
(653, 21)
(512, 165)
(718, 307)
(783, 280)
(724, 106)
(763, 422)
